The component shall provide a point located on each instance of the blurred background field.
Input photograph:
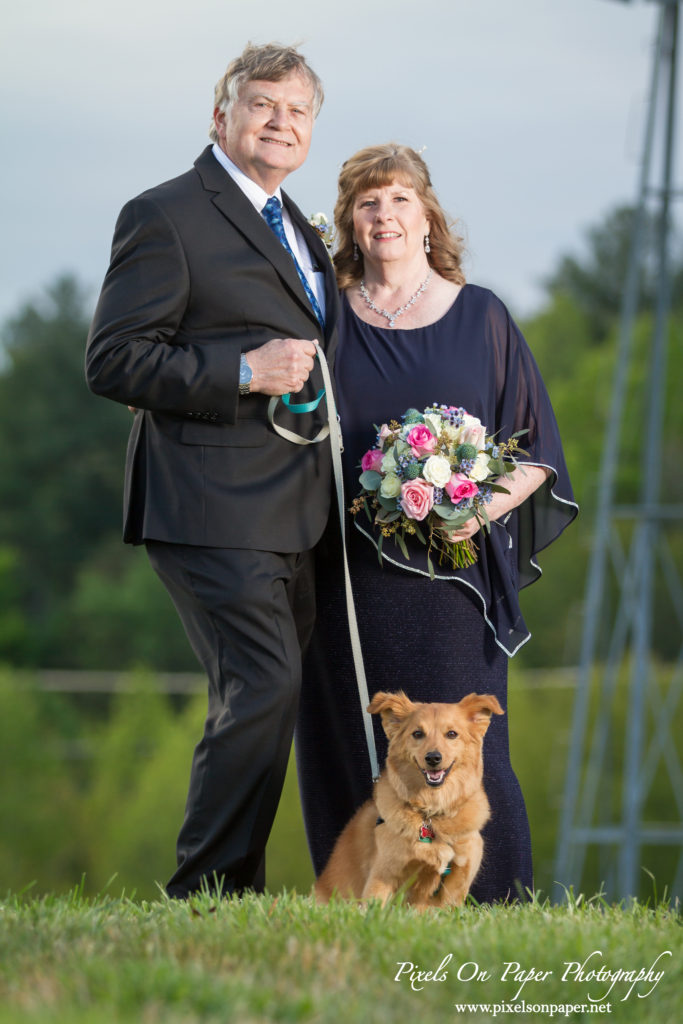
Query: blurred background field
(94, 783)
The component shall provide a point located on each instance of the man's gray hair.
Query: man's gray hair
(269, 63)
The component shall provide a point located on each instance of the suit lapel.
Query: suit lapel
(234, 205)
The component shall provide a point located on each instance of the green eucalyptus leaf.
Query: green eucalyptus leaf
(387, 515)
(370, 479)
(444, 512)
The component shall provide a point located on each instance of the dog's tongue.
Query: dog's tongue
(435, 776)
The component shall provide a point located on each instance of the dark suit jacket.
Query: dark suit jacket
(197, 277)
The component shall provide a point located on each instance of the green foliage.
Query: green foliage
(60, 477)
(118, 613)
(133, 807)
(112, 961)
(14, 628)
(38, 795)
(61, 454)
(579, 375)
(70, 593)
(97, 788)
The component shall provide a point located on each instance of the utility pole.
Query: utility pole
(632, 566)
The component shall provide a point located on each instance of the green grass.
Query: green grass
(71, 960)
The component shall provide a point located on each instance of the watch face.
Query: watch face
(246, 372)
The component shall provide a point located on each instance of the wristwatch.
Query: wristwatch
(246, 373)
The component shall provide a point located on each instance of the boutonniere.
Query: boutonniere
(322, 226)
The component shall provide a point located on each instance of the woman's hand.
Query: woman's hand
(523, 482)
(463, 532)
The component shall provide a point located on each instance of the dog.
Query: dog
(421, 832)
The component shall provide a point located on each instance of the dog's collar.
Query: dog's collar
(426, 831)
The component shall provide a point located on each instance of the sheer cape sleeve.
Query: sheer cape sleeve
(523, 403)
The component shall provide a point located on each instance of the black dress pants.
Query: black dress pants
(248, 616)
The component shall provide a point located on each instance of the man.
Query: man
(203, 315)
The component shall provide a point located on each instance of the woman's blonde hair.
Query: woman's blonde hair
(375, 167)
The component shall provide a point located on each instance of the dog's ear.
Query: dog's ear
(393, 707)
(479, 707)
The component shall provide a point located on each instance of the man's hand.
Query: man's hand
(281, 365)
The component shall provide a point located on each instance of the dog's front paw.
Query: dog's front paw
(437, 853)
(447, 858)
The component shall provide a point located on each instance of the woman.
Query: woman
(413, 333)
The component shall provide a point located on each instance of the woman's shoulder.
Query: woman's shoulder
(485, 310)
(483, 297)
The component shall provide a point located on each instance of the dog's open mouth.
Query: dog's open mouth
(436, 778)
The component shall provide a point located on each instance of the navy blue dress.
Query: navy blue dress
(436, 640)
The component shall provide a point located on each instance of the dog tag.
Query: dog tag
(426, 833)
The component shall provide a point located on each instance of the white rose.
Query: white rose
(437, 470)
(391, 486)
(318, 220)
(451, 433)
(389, 462)
(480, 469)
(435, 423)
(473, 432)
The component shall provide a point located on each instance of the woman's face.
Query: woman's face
(389, 223)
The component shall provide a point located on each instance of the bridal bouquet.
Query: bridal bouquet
(431, 473)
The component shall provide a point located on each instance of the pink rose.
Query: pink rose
(459, 487)
(384, 432)
(372, 460)
(473, 431)
(417, 498)
(421, 440)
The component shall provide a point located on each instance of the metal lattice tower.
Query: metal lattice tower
(632, 564)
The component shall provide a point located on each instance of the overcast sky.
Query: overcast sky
(531, 112)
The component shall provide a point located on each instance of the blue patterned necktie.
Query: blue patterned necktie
(272, 213)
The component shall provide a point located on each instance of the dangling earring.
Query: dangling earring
(355, 251)
(428, 248)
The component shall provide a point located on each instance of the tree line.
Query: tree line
(72, 595)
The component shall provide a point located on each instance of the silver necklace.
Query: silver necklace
(391, 317)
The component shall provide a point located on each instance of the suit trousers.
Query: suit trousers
(248, 616)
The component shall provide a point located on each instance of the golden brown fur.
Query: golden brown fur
(373, 860)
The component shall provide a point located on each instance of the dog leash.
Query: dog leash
(333, 429)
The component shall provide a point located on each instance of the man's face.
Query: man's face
(267, 132)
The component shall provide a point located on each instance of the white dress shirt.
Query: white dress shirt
(258, 197)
